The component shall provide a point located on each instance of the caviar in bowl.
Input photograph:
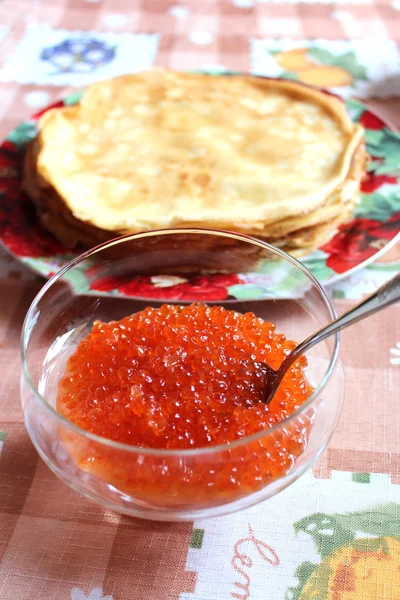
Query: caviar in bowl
(149, 400)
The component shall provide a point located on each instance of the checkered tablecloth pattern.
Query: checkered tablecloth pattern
(312, 540)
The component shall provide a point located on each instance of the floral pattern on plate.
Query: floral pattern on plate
(164, 287)
(374, 227)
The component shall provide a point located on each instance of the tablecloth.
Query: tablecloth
(335, 533)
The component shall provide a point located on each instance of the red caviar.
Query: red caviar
(180, 378)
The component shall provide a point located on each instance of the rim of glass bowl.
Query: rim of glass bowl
(25, 333)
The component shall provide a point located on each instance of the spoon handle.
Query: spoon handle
(387, 294)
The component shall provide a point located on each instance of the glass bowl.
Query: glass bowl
(177, 266)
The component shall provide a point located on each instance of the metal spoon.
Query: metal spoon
(385, 296)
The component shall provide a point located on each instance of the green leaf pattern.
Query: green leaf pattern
(348, 61)
(355, 109)
(384, 144)
(23, 133)
(330, 532)
(303, 574)
(317, 265)
(378, 206)
(73, 98)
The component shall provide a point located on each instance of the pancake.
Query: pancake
(270, 158)
(73, 233)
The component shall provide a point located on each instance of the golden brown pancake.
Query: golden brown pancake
(161, 149)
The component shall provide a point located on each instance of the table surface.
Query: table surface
(56, 545)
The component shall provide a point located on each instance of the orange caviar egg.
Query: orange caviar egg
(184, 377)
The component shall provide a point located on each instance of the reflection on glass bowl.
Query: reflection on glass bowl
(177, 484)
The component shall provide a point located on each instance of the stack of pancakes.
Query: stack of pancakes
(270, 158)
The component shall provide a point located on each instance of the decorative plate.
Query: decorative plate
(373, 229)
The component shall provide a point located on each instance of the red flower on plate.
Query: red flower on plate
(213, 287)
(372, 182)
(104, 284)
(389, 229)
(9, 148)
(20, 231)
(356, 242)
(30, 241)
(58, 104)
(371, 121)
(10, 164)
